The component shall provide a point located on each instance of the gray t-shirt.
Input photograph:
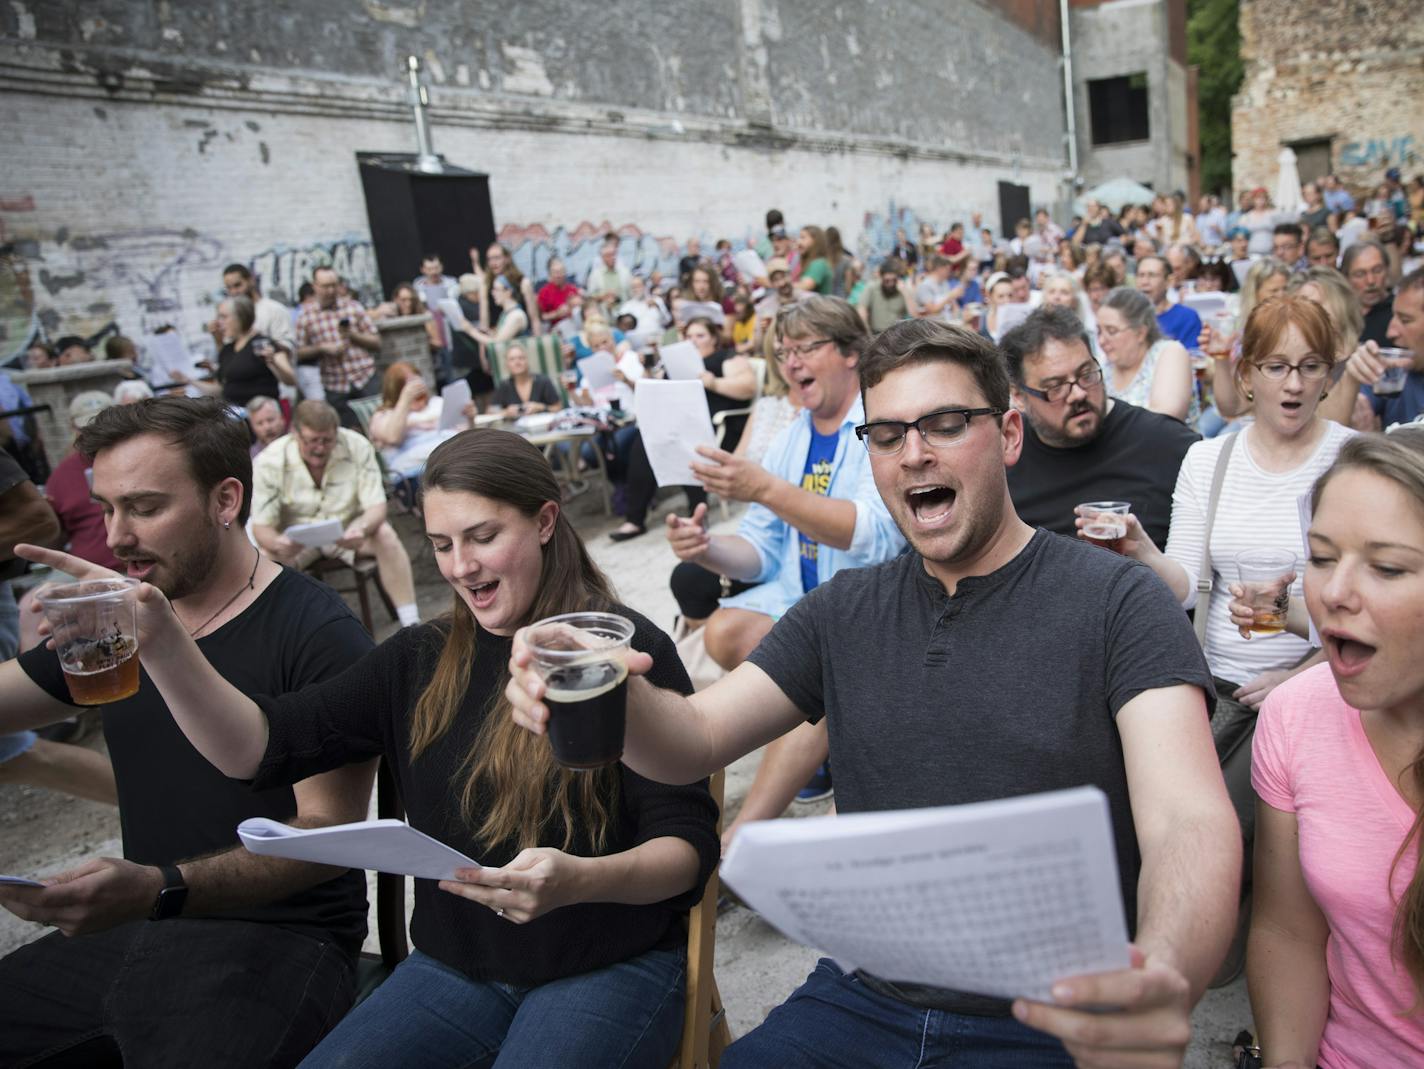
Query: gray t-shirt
(1009, 687)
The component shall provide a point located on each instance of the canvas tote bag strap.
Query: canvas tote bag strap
(1204, 583)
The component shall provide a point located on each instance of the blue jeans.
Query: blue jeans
(834, 1020)
(627, 1015)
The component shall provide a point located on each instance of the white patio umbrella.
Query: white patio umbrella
(1288, 198)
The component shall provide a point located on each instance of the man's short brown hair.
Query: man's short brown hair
(214, 441)
(315, 415)
(925, 341)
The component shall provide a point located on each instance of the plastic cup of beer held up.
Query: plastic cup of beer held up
(582, 658)
(1397, 363)
(1222, 334)
(1105, 522)
(95, 630)
(1266, 576)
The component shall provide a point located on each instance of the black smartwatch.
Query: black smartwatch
(170, 900)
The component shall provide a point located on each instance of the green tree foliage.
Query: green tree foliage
(1214, 47)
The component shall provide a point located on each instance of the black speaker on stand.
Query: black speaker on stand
(413, 212)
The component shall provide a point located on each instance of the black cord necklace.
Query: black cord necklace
(249, 585)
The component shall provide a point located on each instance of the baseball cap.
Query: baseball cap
(775, 264)
(1392, 174)
(1238, 232)
(85, 406)
(777, 232)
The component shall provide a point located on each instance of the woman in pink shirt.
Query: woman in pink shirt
(1335, 960)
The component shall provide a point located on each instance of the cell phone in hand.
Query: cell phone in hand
(344, 324)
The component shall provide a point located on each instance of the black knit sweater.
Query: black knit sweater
(365, 712)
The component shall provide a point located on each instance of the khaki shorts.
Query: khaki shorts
(309, 556)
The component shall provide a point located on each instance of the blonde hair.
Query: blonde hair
(1339, 301)
(1265, 268)
(1398, 457)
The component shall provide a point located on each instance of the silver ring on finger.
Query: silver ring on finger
(499, 912)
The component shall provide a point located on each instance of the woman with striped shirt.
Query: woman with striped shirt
(1287, 352)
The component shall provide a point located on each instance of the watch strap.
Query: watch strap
(171, 898)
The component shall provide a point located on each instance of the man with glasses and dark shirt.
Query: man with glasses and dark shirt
(1079, 444)
(1366, 267)
(992, 660)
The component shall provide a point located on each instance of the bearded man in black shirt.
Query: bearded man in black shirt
(188, 950)
(1079, 444)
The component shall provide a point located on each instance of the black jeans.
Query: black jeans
(697, 590)
(643, 486)
(179, 992)
(341, 401)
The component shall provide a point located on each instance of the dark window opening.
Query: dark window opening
(1118, 109)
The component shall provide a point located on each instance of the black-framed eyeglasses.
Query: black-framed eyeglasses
(939, 429)
(1059, 390)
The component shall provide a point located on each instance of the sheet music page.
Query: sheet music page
(315, 534)
(674, 419)
(597, 370)
(749, 264)
(682, 361)
(996, 898)
(168, 356)
(379, 845)
(454, 398)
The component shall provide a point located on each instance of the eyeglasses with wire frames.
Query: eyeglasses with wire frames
(786, 352)
(886, 437)
(1312, 369)
(1060, 390)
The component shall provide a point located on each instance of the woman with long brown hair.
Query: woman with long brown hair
(567, 948)
(1335, 961)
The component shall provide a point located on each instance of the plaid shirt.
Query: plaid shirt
(321, 326)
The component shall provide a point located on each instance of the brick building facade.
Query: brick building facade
(1340, 81)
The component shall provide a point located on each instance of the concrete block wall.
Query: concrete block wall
(1113, 39)
(1351, 71)
(148, 147)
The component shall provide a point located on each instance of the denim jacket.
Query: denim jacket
(876, 537)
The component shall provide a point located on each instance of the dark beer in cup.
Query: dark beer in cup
(588, 704)
(582, 658)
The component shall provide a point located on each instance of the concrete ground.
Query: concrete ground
(756, 966)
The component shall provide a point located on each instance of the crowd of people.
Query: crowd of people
(926, 453)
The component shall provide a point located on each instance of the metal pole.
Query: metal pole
(425, 160)
(1071, 110)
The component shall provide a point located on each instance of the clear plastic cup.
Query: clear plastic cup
(1107, 522)
(95, 626)
(582, 658)
(1398, 363)
(1222, 325)
(1266, 576)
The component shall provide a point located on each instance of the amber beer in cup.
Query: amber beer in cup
(1221, 334)
(1266, 576)
(582, 658)
(95, 629)
(1106, 522)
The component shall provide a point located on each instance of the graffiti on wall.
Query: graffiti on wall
(534, 246)
(1380, 152)
(63, 283)
(282, 269)
(642, 252)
